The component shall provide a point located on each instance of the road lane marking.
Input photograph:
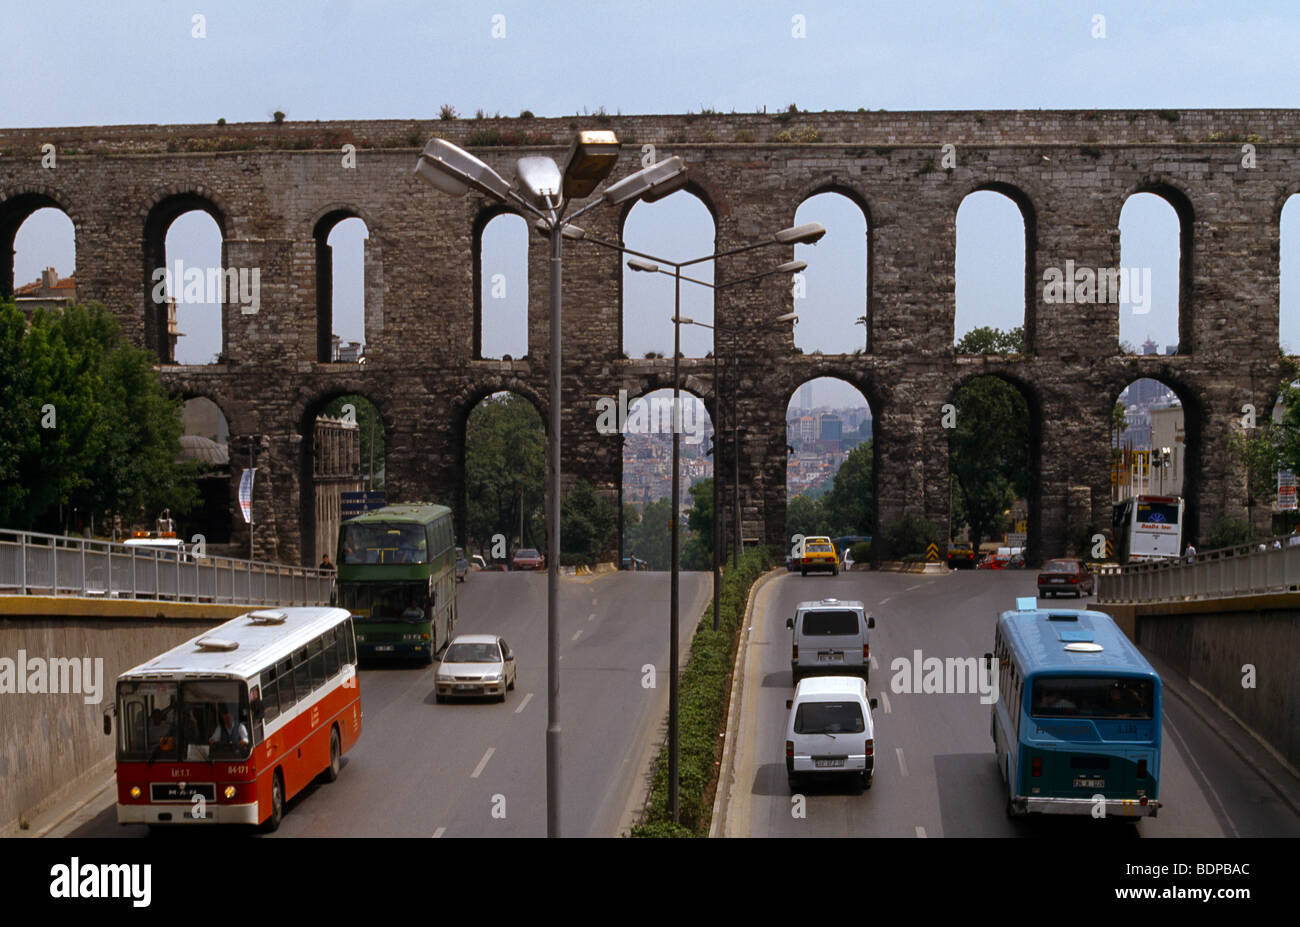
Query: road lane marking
(884, 698)
(524, 704)
(920, 831)
(576, 634)
(884, 600)
(591, 617)
(902, 763)
(439, 832)
(917, 586)
(1204, 778)
(874, 664)
(483, 762)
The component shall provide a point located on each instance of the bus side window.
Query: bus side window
(351, 641)
(301, 674)
(330, 649)
(316, 659)
(284, 685)
(270, 696)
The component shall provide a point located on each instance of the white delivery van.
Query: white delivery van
(830, 636)
(830, 731)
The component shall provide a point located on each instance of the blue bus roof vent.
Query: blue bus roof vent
(1026, 603)
(1075, 636)
(1063, 616)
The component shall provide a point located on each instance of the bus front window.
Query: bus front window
(215, 719)
(376, 544)
(147, 714)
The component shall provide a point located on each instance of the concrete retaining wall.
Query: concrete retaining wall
(53, 744)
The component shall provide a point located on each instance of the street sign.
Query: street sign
(1286, 500)
(932, 552)
(352, 504)
(1017, 539)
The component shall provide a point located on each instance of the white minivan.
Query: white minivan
(830, 731)
(830, 636)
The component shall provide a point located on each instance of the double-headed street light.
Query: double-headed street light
(542, 189)
(809, 233)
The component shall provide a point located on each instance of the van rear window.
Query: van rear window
(829, 718)
(830, 622)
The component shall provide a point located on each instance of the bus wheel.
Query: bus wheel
(277, 803)
(332, 770)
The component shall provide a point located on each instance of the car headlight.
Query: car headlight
(496, 678)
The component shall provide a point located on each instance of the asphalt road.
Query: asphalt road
(935, 774)
(478, 768)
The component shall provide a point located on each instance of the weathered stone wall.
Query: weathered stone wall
(1070, 172)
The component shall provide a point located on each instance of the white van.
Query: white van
(830, 636)
(830, 731)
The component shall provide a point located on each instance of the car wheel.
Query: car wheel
(803, 572)
(336, 752)
(277, 803)
(793, 782)
(511, 685)
(866, 781)
(835, 571)
(439, 699)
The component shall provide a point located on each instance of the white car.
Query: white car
(475, 665)
(830, 731)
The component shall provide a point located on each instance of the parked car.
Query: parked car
(830, 731)
(1065, 575)
(477, 562)
(634, 563)
(475, 665)
(462, 565)
(527, 559)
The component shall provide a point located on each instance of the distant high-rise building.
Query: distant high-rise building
(829, 427)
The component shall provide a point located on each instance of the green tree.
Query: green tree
(649, 538)
(850, 505)
(505, 469)
(986, 340)
(697, 546)
(804, 515)
(88, 430)
(586, 525)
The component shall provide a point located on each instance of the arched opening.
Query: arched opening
(831, 295)
(647, 485)
(1288, 330)
(501, 286)
(1155, 443)
(1154, 276)
(679, 227)
(343, 444)
(186, 282)
(340, 287)
(993, 464)
(505, 471)
(206, 441)
(830, 468)
(994, 278)
(39, 241)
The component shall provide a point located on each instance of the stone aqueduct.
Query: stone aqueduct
(272, 188)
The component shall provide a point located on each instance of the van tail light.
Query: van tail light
(1038, 767)
(789, 749)
(871, 746)
(794, 651)
(866, 652)
(1142, 769)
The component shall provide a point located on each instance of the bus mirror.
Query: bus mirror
(871, 622)
(988, 660)
(875, 703)
(789, 703)
(108, 722)
(789, 623)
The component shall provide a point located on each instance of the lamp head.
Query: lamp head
(454, 170)
(590, 159)
(539, 181)
(808, 234)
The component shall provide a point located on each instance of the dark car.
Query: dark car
(1058, 576)
(527, 559)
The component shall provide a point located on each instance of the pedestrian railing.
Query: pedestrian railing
(52, 565)
(1215, 574)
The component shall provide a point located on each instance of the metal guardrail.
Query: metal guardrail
(53, 565)
(1215, 574)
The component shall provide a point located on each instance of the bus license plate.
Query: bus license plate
(830, 656)
(828, 762)
(1089, 783)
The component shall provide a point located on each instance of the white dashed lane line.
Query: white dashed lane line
(439, 832)
(524, 704)
(902, 763)
(576, 634)
(884, 701)
(591, 617)
(483, 762)
(920, 831)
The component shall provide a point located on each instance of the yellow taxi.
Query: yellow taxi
(819, 554)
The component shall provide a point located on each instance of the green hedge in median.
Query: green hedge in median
(702, 710)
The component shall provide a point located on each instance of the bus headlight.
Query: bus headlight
(229, 792)
(135, 791)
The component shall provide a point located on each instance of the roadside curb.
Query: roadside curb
(1259, 755)
(727, 766)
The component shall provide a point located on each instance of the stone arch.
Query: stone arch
(462, 407)
(834, 185)
(482, 219)
(322, 226)
(164, 209)
(17, 204)
(1029, 217)
(1181, 203)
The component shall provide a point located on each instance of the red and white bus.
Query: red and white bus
(230, 725)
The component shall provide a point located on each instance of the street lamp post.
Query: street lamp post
(803, 234)
(542, 190)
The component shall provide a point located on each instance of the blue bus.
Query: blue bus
(1076, 724)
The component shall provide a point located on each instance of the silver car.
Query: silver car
(475, 665)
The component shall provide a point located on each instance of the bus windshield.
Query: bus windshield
(1160, 513)
(370, 601)
(197, 720)
(1092, 697)
(371, 543)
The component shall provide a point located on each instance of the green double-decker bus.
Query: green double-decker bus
(397, 576)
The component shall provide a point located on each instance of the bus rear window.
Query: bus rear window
(831, 622)
(1092, 697)
(829, 718)
(1158, 513)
